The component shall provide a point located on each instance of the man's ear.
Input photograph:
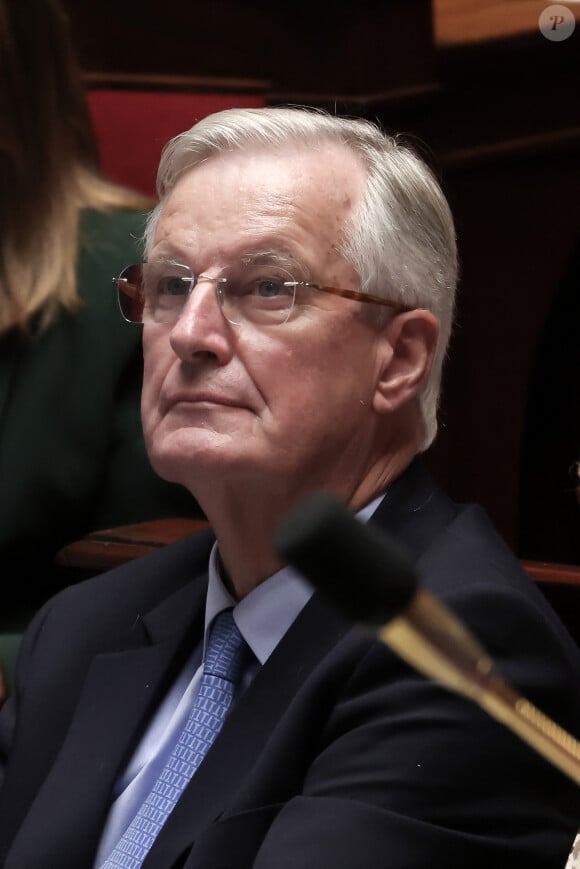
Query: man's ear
(409, 342)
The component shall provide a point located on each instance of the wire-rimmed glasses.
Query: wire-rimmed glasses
(157, 292)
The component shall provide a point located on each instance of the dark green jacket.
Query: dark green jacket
(72, 457)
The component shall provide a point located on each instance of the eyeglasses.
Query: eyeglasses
(262, 294)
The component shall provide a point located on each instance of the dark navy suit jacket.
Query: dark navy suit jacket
(338, 756)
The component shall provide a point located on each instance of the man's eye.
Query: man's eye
(172, 286)
(268, 287)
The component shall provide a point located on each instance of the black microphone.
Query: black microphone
(366, 574)
(327, 544)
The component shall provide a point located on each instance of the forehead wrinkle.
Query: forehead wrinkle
(286, 218)
(166, 243)
(276, 205)
(275, 213)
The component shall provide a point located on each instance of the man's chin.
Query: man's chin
(184, 456)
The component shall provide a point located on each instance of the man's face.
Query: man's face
(284, 406)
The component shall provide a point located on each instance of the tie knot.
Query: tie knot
(225, 653)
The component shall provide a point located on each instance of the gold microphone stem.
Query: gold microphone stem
(434, 641)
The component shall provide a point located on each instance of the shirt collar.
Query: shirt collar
(266, 613)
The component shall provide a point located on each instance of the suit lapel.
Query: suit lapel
(64, 823)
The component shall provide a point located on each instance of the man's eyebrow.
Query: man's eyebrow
(273, 255)
(259, 256)
(167, 255)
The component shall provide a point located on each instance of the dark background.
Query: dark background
(499, 120)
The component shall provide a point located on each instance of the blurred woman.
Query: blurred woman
(72, 457)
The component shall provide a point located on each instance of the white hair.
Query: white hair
(400, 238)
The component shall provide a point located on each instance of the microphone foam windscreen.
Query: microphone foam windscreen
(362, 571)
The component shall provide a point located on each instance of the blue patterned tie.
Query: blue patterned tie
(222, 668)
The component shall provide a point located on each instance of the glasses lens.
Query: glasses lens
(130, 293)
(166, 288)
(257, 293)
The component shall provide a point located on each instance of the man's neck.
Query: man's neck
(245, 520)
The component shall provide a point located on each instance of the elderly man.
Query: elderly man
(296, 303)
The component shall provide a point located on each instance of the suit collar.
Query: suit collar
(415, 510)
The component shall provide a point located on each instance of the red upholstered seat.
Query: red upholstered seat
(132, 126)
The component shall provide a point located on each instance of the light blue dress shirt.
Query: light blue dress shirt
(263, 617)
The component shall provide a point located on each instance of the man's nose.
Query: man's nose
(201, 327)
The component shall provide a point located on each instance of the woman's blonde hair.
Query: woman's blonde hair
(48, 165)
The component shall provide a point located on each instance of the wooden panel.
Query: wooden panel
(561, 574)
(462, 21)
(517, 223)
(317, 50)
